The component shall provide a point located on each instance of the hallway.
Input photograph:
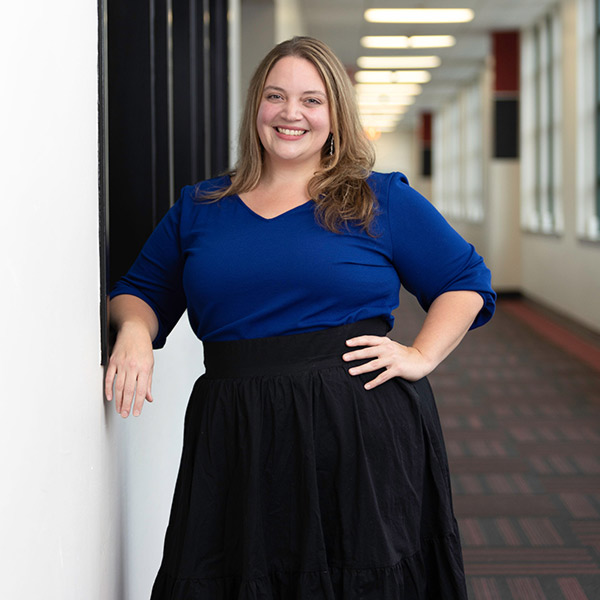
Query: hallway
(521, 418)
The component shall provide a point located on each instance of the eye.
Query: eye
(313, 101)
(274, 97)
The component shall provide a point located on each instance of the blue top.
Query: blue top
(242, 276)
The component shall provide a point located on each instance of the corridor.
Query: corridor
(110, 108)
(519, 402)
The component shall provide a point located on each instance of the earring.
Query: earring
(331, 144)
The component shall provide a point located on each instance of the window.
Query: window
(541, 134)
(473, 163)
(458, 156)
(447, 155)
(588, 209)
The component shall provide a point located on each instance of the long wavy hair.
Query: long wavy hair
(339, 188)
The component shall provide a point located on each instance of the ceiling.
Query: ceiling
(341, 24)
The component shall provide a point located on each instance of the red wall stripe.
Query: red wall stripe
(507, 56)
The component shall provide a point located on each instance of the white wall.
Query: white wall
(149, 460)
(395, 152)
(258, 36)
(289, 20)
(563, 272)
(59, 509)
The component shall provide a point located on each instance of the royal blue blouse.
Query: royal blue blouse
(242, 276)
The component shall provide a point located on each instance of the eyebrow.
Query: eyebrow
(311, 92)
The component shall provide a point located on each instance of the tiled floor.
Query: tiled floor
(520, 406)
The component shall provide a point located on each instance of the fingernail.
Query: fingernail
(136, 413)
(367, 386)
(351, 371)
(123, 413)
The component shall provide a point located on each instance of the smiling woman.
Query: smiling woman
(313, 464)
(293, 125)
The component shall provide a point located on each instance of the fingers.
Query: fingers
(131, 388)
(378, 348)
(140, 393)
(389, 357)
(373, 365)
(381, 378)
(131, 391)
(149, 392)
(367, 340)
(109, 381)
(373, 345)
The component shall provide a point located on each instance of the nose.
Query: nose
(292, 110)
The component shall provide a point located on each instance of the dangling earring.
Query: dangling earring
(331, 144)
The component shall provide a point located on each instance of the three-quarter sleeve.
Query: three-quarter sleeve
(156, 275)
(431, 258)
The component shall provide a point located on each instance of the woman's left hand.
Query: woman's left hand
(397, 360)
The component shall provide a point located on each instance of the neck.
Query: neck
(289, 175)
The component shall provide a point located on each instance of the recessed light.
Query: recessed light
(382, 109)
(388, 89)
(419, 15)
(398, 62)
(392, 76)
(403, 41)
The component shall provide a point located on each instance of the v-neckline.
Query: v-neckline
(282, 214)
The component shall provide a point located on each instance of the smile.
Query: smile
(296, 132)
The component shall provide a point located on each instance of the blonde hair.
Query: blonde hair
(339, 188)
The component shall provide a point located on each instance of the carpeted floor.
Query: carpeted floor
(519, 401)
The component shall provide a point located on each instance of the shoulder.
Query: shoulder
(201, 194)
(394, 193)
(209, 186)
(384, 184)
(403, 205)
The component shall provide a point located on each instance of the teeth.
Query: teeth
(291, 131)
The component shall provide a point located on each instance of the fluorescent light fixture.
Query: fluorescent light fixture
(388, 89)
(398, 62)
(382, 109)
(419, 15)
(403, 41)
(378, 108)
(389, 102)
(392, 76)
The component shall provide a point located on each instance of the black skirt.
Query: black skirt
(297, 483)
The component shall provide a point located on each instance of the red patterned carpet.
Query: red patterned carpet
(520, 407)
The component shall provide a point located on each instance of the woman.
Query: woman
(313, 464)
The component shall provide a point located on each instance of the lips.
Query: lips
(293, 132)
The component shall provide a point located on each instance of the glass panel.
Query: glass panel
(597, 88)
(550, 123)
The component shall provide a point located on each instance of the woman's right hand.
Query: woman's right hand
(130, 369)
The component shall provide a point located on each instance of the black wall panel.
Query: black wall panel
(167, 126)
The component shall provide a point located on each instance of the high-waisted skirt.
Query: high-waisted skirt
(297, 483)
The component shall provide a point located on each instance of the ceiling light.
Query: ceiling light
(388, 89)
(384, 100)
(419, 15)
(398, 62)
(431, 41)
(392, 76)
(403, 41)
(382, 109)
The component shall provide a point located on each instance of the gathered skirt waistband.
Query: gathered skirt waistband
(287, 353)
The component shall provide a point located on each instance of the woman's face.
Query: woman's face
(293, 116)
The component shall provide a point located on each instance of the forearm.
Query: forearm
(449, 318)
(130, 311)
